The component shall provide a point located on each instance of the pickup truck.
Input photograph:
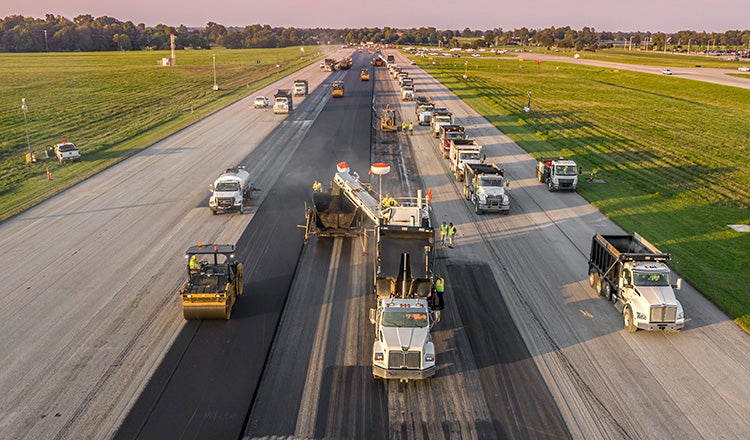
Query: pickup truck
(67, 152)
(462, 152)
(486, 187)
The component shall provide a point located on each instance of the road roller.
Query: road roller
(214, 281)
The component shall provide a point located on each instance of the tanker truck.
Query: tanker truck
(231, 191)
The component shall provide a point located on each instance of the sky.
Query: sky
(630, 15)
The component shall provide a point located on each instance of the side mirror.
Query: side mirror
(678, 286)
(372, 316)
(211, 187)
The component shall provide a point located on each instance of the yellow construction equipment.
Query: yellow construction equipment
(364, 74)
(337, 89)
(214, 281)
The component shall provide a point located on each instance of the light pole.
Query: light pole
(25, 108)
(216, 86)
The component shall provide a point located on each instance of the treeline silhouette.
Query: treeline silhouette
(56, 33)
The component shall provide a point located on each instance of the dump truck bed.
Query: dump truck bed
(334, 215)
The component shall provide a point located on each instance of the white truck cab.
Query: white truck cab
(231, 191)
(403, 348)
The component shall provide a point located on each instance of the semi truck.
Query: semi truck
(440, 116)
(231, 191)
(486, 187)
(300, 87)
(403, 348)
(558, 173)
(447, 134)
(407, 93)
(632, 273)
(462, 152)
(214, 281)
(282, 102)
(423, 110)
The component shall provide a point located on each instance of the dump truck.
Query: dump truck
(423, 110)
(388, 120)
(486, 187)
(231, 191)
(282, 102)
(558, 173)
(300, 87)
(390, 59)
(407, 93)
(214, 281)
(462, 152)
(447, 134)
(332, 214)
(440, 116)
(633, 274)
(378, 62)
(364, 74)
(337, 89)
(407, 82)
(403, 348)
(67, 152)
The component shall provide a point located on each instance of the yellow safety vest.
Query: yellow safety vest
(443, 229)
(452, 230)
(440, 285)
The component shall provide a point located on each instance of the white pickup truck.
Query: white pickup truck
(403, 348)
(67, 152)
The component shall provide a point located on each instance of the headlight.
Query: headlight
(640, 316)
(429, 358)
(378, 356)
(681, 315)
(505, 199)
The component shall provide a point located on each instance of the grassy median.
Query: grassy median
(672, 153)
(112, 105)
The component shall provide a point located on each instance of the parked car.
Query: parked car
(744, 69)
(666, 72)
(260, 102)
(413, 63)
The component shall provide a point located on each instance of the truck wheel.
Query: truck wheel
(242, 207)
(627, 319)
(606, 291)
(549, 185)
(466, 193)
(476, 208)
(594, 278)
(539, 177)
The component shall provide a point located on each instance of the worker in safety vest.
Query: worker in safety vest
(451, 234)
(443, 233)
(194, 265)
(317, 186)
(440, 290)
(403, 126)
(411, 128)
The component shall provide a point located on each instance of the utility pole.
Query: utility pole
(216, 85)
(25, 108)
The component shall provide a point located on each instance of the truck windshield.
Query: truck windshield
(227, 186)
(565, 170)
(490, 181)
(66, 147)
(441, 119)
(280, 100)
(453, 135)
(469, 156)
(651, 278)
(405, 318)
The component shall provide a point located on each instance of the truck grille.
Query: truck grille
(404, 359)
(565, 183)
(225, 202)
(663, 313)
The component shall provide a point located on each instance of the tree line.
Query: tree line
(56, 33)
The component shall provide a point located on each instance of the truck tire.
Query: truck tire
(539, 176)
(550, 187)
(606, 291)
(242, 207)
(476, 208)
(594, 279)
(627, 320)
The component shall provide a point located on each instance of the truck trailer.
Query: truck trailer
(632, 273)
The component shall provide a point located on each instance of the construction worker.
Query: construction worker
(194, 265)
(403, 126)
(440, 290)
(317, 186)
(411, 128)
(443, 233)
(451, 235)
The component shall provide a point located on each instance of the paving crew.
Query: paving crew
(443, 233)
(451, 234)
(403, 126)
(440, 290)
(317, 186)
(411, 128)
(194, 265)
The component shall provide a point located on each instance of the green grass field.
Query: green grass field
(654, 58)
(112, 105)
(673, 154)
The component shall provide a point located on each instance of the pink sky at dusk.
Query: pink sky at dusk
(635, 15)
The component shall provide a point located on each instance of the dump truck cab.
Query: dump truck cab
(214, 281)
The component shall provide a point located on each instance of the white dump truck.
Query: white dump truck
(440, 117)
(282, 102)
(633, 274)
(232, 190)
(486, 187)
(463, 151)
(558, 173)
(403, 348)
(407, 93)
(300, 87)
